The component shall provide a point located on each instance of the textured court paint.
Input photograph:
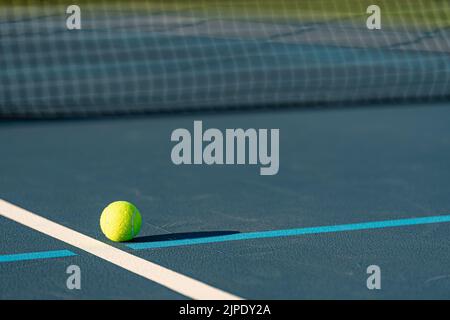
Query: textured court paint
(175, 281)
(292, 232)
(36, 255)
(241, 236)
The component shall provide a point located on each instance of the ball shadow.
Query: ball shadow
(183, 235)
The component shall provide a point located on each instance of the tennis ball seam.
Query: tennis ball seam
(132, 223)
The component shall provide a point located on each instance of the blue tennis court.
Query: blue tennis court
(364, 151)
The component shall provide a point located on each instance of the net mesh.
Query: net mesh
(152, 56)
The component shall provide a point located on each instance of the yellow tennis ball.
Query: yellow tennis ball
(120, 221)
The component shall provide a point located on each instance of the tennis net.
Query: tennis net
(142, 56)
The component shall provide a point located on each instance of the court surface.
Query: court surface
(342, 166)
(362, 182)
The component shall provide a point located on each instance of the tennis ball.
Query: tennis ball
(120, 221)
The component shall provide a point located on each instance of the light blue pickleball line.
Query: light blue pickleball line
(36, 255)
(290, 232)
(240, 236)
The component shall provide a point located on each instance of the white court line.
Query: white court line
(175, 281)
